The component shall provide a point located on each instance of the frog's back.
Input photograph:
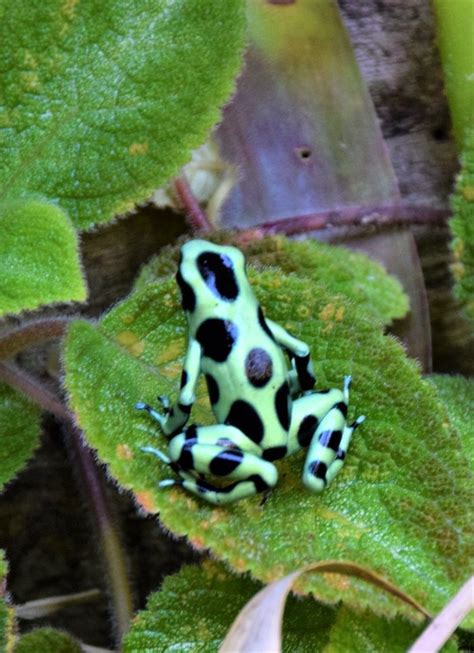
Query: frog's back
(249, 389)
(245, 369)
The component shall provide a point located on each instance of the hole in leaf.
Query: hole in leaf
(304, 153)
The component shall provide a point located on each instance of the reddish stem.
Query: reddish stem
(197, 218)
(384, 215)
(111, 548)
(15, 340)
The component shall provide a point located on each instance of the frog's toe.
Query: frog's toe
(140, 405)
(156, 452)
(168, 482)
(357, 422)
(165, 402)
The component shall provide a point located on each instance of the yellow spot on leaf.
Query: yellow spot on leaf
(131, 343)
(128, 319)
(197, 542)
(124, 452)
(240, 565)
(468, 193)
(145, 499)
(68, 9)
(171, 353)
(339, 314)
(30, 61)
(327, 312)
(304, 312)
(138, 148)
(338, 581)
(30, 81)
(172, 370)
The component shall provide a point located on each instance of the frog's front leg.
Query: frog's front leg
(302, 378)
(319, 422)
(174, 418)
(221, 451)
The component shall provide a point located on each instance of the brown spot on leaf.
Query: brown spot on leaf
(135, 149)
(124, 452)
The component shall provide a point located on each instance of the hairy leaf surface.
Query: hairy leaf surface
(47, 640)
(462, 227)
(7, 616)
(39, 261)
(400, 505)
(457, 394)
(365, 632)
(19, 432)
(210, 598)
(340, 270)
(103, 101)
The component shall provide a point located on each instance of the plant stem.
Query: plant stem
(27, 385)
(390, 215)
(15, 340)
(197, 218)
(110, 544)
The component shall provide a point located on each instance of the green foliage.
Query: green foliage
(405, 472)
(6, 613)
(103, 101)
(455, 23)
(462, 227)
(39, 261)
(342, 271)
(457, 394)
(46, 640)
(364, 632)
(19, 432)
(195, 608)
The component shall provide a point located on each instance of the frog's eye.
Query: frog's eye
(218, 273)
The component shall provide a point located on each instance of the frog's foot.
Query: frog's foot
(327, 453)
(221, 495)
(222, 451)
(165, 403)
(158, 417)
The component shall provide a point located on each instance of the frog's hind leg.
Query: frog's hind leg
(224, 452)
(319, 422)
(329, 445)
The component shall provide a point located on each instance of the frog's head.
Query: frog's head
(209, 274)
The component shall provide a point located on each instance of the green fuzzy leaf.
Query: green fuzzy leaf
(46, 640)
(39, 261)
(19, 432)
(103, 100)
(453, 19)
(457, 394)
(343, 272)
(364, 632)
(462, 227)
(211, 598)
(389, 507)
(7, 616)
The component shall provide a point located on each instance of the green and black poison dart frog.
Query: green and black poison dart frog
(264, 410)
